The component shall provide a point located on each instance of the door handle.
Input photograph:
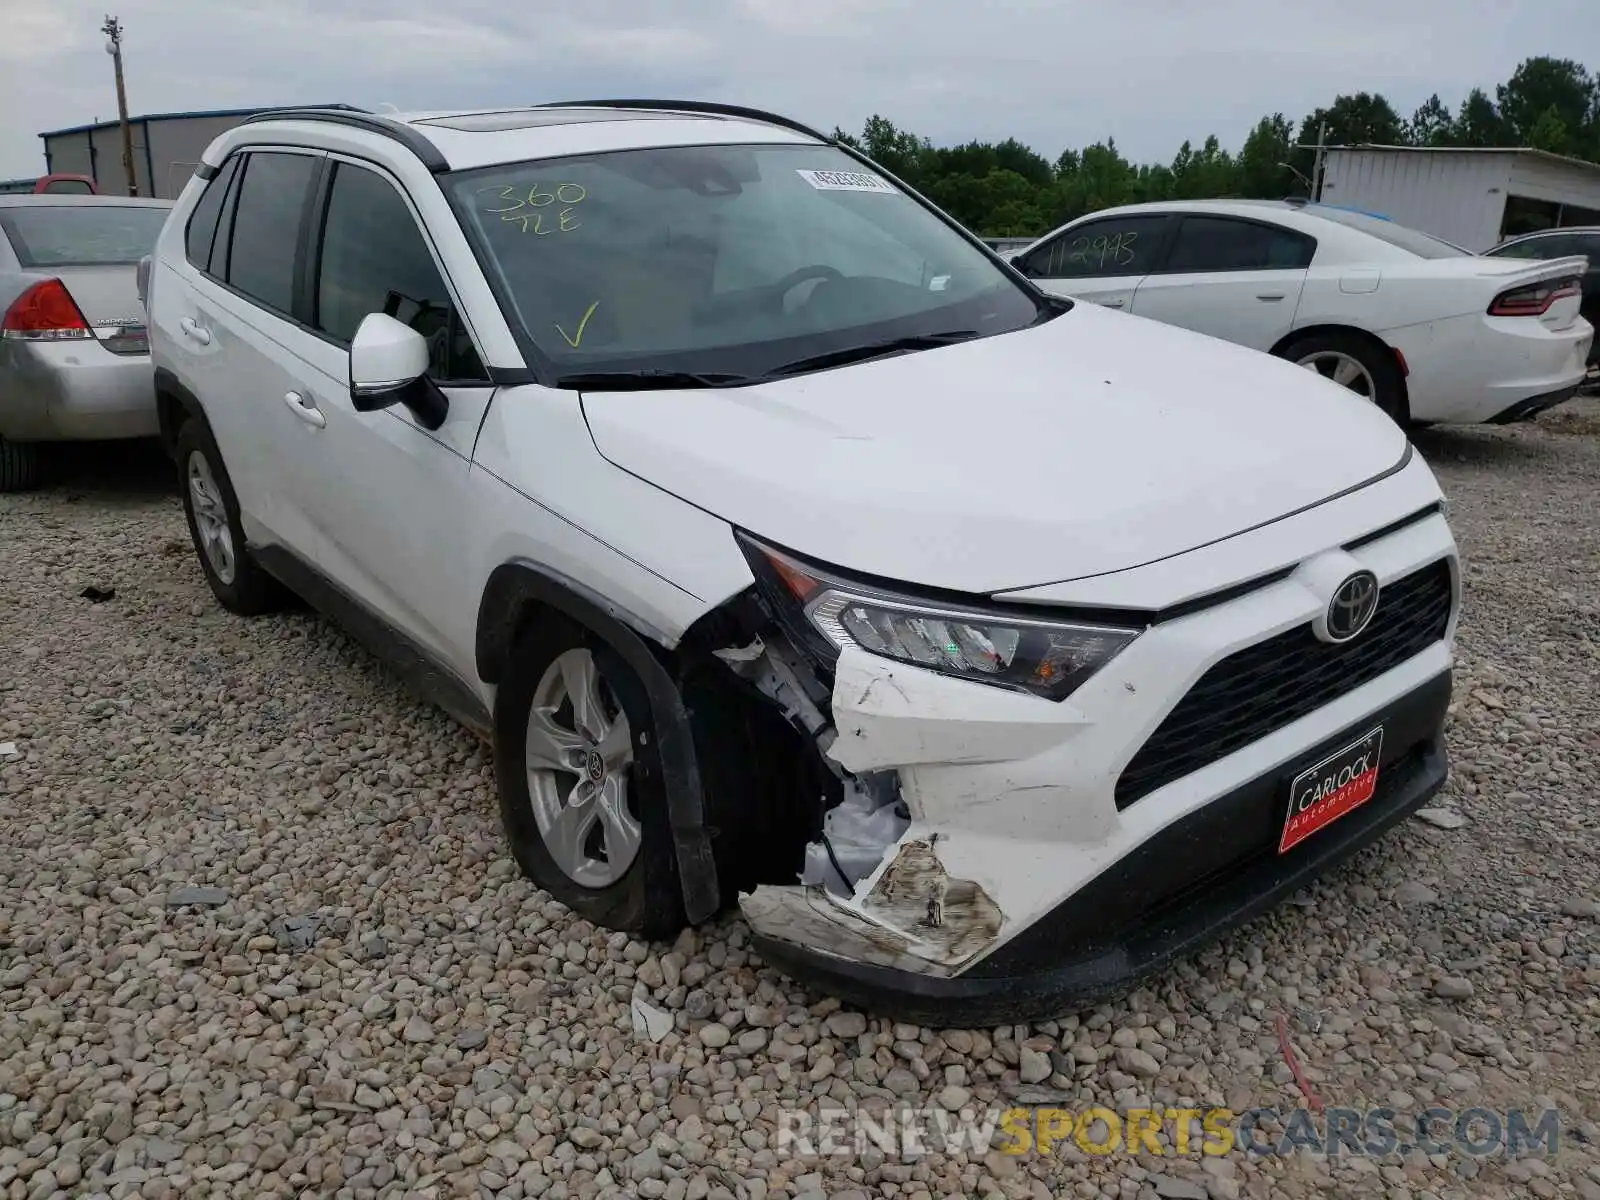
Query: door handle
(1269, 295)
(302, 407)
(193, 329)
(1115, 303)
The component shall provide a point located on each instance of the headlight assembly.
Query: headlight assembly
(1048, 658)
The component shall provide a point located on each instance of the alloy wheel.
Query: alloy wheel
(577, 755)
(1343, 369)
(211, 518)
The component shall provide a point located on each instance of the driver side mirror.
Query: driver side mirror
(389, 365)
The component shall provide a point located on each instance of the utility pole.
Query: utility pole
(1316, 169)
(113, 31)
(1321, 149)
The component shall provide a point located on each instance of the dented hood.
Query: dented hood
(1092, 443)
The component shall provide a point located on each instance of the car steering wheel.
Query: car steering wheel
(781, 289)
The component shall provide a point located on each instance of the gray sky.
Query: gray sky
(1053, 73)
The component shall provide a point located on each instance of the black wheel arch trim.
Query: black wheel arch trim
(170, 391)
(510, 587)
(1327, 329)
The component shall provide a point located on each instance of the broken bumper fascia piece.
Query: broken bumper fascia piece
(913, 917)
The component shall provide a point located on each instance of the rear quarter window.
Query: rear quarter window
(1413, 241)
(202, 230)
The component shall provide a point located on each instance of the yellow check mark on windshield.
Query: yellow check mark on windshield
(572, 339)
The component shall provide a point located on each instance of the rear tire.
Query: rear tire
(19, 466)
(598, 842)
(240, 585)
(1357, 364)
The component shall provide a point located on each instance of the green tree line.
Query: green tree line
(1007, 189)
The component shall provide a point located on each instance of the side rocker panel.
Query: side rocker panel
(417, 668)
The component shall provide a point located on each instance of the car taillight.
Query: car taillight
(1534, 300)
(46, 312)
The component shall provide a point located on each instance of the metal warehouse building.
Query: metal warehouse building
(166, 149)
(1472, 197)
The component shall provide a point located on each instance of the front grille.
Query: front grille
(1264, 687)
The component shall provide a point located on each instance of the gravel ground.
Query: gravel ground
(259, 935)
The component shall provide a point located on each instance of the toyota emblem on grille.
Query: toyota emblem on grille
(1352, 606)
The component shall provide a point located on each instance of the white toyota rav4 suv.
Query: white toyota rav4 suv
(988, 648)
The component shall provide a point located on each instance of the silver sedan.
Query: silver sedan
(74, 359)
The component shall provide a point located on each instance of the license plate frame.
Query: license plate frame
(1332, 788)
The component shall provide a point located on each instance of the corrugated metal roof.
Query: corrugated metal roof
(178, 116)
(1523, 151)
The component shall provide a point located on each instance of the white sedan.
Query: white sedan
(1426, 330)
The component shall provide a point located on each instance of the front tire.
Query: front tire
(19, 466)
(1369, 371)
(581, 793)
(212, 509)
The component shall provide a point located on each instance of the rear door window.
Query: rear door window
(1227, 244)
(266, 226)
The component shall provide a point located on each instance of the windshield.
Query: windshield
(82, 235)
(1421, 244)
(724, 260)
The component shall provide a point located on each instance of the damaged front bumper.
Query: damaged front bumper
(1022, 882)
(1204, 874)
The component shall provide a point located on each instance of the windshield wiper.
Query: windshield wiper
(646, 380)
(851, 354)
(650, 378)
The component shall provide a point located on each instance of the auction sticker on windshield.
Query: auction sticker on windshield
(846, 181)
(1320, 795)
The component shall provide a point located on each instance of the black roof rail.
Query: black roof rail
(704, 107)
(359, 118)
